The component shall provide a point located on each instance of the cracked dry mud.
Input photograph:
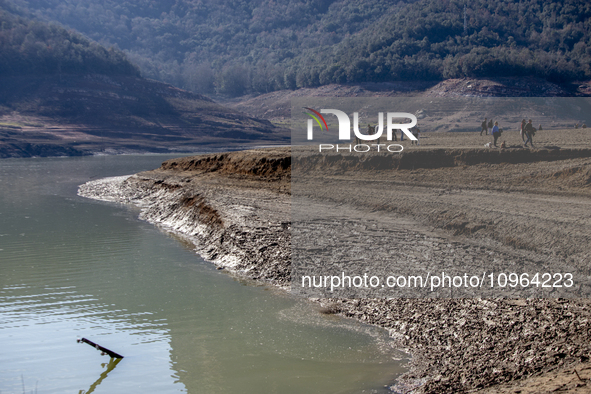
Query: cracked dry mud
(235, 209)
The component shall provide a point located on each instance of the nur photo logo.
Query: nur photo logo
(363, 142)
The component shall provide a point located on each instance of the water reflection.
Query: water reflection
(110, 366)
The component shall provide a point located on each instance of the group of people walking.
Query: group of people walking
(526, 130)
(485, 126)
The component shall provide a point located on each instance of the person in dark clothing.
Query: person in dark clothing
(416, 133)
(484, 127)
(490, 124)
(530, 131)
(522, 130)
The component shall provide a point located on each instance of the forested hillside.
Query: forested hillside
(239, 46)
(63, 94)
(32, 47)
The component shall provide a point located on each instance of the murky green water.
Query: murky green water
(72, 267)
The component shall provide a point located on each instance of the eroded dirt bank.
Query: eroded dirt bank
(236, 209)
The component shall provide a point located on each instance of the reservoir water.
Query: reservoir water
(72, 267)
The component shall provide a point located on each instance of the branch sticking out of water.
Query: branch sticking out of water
(104, 350)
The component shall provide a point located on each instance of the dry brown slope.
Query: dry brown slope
(276, 106)
(79, 114)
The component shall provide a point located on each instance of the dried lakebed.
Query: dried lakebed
(235, 208)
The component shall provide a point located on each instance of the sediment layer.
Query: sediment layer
(235, 208)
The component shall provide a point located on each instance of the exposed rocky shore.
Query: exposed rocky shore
(235, 209)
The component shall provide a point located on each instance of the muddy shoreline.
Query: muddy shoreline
(235, 209)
